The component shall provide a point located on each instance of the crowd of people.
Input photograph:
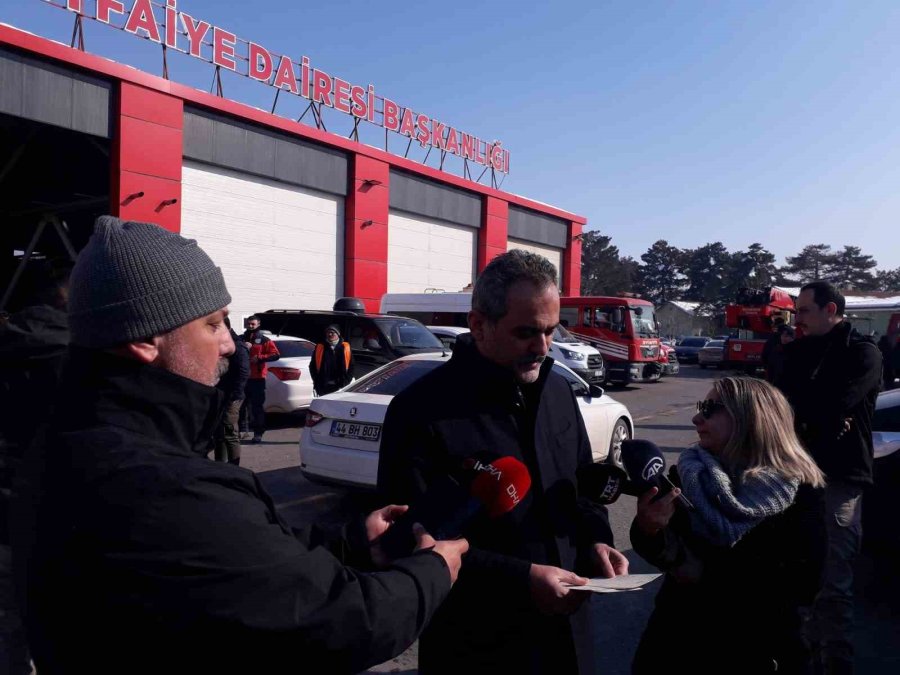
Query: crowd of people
(132, 552)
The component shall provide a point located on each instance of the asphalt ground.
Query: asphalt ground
(662, 412)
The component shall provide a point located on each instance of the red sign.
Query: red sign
(180, 31)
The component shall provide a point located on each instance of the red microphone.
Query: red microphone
(446, 509)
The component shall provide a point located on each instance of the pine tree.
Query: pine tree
(852, 269)
(888, 280)
(660, 273)
(812, 263)
(707, 270)
(603, 271)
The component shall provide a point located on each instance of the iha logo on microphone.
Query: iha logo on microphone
(653, 467)
(488, 469)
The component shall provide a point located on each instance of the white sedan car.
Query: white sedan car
(342, 436)
(289, 386)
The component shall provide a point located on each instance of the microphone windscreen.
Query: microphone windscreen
(643, 460)
(601, 482)
(501, 485)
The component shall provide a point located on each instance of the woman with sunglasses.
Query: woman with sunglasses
(742, 562)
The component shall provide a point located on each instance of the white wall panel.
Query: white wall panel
(425, 253)
(554, 255)
(279, 246)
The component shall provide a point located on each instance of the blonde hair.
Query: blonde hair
(763, 436)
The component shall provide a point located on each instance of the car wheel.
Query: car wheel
(620, 433)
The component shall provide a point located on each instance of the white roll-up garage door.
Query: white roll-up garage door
(426, 253)
(279, 246)
(554, 255)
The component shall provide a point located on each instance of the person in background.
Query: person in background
(138, 554)
(831, 377)
(775, 360)
(743, 562)
(888, 375)
(232, 385)
(331, 367)
(33, 343)
(772, 343)
(513, 610)
(262, 351)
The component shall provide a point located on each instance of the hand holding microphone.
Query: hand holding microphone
(646, 466)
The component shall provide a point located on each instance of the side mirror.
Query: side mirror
(596, 391)
(885, 443)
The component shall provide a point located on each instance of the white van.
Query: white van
(437, 310)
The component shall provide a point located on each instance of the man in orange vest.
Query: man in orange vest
(332, 363)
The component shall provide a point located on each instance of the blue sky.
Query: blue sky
(728, 121)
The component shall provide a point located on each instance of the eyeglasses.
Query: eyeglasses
(708, 407)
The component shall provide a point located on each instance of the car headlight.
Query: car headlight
(575, 356)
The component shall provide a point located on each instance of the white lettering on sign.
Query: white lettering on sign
(181, 32)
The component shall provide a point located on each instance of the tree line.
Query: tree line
(712, 275)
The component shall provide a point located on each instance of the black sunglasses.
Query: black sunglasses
(708, 407)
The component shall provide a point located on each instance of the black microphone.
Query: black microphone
(494, 487)
(602, 483)
(646, 465)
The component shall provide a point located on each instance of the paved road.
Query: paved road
(662, 414)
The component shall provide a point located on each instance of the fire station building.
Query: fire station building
(294, 215)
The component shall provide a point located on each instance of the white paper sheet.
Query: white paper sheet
(628, 582)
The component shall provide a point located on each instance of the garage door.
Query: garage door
(554, 255)
(279, 246)
(425, 253)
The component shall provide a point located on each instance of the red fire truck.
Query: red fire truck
(622, 328)
(752, 316)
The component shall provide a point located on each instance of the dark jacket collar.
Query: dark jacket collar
(104, 389)
(489, 380)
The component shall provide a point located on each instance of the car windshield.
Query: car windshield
(644, 321)
(408, 334)
(393, 378)
(561, 335)
(693, 342)
(291, 348)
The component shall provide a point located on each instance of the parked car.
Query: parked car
(289, 386)
(583, 359)
(669, 359)
(686, 350)
(342, 436)
(881, 528)
(376, 339)
(712, 354)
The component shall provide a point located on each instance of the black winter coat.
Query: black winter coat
(146, 557)
(828, 379)
(234, 381)
(742, 615)
(467, 406)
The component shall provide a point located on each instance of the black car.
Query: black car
(881, 527)
(686, 351)
(375, 339)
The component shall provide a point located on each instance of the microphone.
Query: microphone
(602, 483)
(645, 465)
(494, 487)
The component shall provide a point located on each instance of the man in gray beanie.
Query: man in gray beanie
(136, 553)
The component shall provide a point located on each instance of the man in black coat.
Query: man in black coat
(140, 555)
(831, 376)
(232, 385)
(497, 396)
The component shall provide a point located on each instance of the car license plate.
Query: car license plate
(598, 373)
(361, 432)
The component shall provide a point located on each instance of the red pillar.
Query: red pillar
(147, 157)
(366, 231)
(571, 273)
(493, 232)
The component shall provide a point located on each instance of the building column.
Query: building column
(147, 157)
(366, 231)
(493, 232)
(571, 272)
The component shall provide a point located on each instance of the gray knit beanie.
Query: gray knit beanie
(136, 280)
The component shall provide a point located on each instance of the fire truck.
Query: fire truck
(623, 329)
(752, 316)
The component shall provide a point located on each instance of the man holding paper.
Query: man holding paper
(512, 610)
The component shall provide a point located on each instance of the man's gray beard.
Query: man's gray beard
(221, 369)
